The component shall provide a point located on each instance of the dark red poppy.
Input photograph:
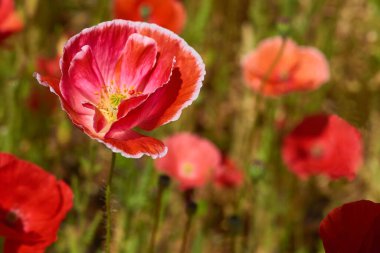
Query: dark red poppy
(32, 205)
(352, 228)
(169, 14)
(228, 174)
(10, 21)
(323, 144)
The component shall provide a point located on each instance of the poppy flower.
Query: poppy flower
(122, 75)
(39, 99)
(279, 66)
(191, 160)
(228, 175)
(33, 203)
(10, 21)
(169, 14)
(352, 228)
(323, 144)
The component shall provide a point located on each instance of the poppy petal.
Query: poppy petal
(131, 144)
(84, 81)
(312, 70)
(107, 41)
(137, 60)
(346, 227)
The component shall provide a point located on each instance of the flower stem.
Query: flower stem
(274, 63)
(108, 206)
(191, 208)
(163, 183)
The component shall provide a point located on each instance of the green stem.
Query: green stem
(108, 206)
(157, 215)
(191, 208)
(274, 63)
(186, 233)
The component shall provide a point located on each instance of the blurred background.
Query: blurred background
(273, 211)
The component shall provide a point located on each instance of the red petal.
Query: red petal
(84, 82)
(106, 40)
(129, 104)
(137, 61)
(132, 144)
(345, 228)
(77, 118)
(18, 247)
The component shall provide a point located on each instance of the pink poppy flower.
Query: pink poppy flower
(191, 160)
(122, 75)
(33, 204)
(323, 144)
(10, 21)
(352, 228)
(228, 175)
(273, 72)
(169, 14)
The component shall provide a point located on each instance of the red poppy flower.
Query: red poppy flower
(32, 205)
(10, 21)
(323, 144)
(191, 160)
(228, 175)
(120, 75)
(275, 68)
(169, 14)
(352, 228)
(40, 99)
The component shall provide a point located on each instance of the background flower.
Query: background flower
(279, 66)
(352, 228)
(32, 205)
(191, 160)
(323, 144)
(10, 21)
(40, 99)
(169, 14)
(228, 174)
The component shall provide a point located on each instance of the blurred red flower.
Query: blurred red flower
(32, 205)
(10, 21)
(228, 174)
(169, 14)
(352, 228)
(40, 99)
(323, 144)
(49, 66)
(279, 66)
(120, 75)
(191, 160)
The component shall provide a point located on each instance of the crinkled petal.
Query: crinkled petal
(132, 144)
(82, 120)
(107, 41)
(84, 82)
(137, 61)
(189, 63)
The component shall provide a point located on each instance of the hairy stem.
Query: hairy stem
(108, 206)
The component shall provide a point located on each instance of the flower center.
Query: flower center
(111, 97)
(188, 169)
(11, 218)
(316, 151)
